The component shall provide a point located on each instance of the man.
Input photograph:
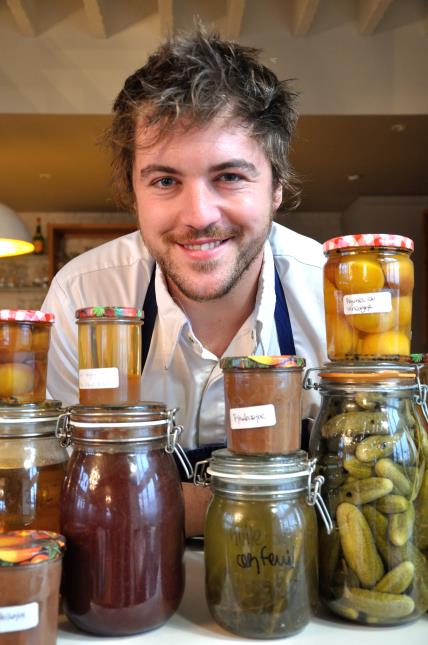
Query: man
(200, 137)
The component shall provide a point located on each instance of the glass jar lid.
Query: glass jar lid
(26, 315)
(262, 362)
(30, 419)
(262, 470)
(363, 374)
(28, 547)
(368, 240)
(144, 422)
(109, 311)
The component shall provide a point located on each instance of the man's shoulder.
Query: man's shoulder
(126, 253)
(294, 247)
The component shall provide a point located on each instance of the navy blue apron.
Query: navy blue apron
(283, 330)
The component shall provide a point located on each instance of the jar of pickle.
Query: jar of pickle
(368, 442)
(30, 575)
(263, 401)
(368, 286)
(109, 348)
(24, 345)
(261, 542)
(123, 518)
(32, 467)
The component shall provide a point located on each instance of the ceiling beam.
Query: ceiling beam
(234, 14)
(370, 13)
(302, 16)
(166, 16)
(96, 16)
(24, 14)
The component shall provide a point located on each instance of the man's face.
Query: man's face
(204, 200)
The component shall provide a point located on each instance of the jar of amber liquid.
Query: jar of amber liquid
(30, 574)
(109, 345)
(368, 286)
(368, 442)
(32, 467)
(123, 518)
(263, 401)
(24, 345)
(261, 543)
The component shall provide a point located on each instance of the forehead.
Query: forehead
(220, 135)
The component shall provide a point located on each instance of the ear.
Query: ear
(277, 198)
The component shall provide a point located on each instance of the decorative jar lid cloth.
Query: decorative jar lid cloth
(25, 315)
(261, 362)
(368, 239)
(419, 358)
(109, 311)
(18, 548)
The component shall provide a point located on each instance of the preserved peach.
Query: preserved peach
(388, 343)
(359, 275)
(332, 305)
(340, 335)
(15, 378)
(403, 306)
(399, 273)
(373, 323)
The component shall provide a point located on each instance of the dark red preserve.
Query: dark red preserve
(123, 517)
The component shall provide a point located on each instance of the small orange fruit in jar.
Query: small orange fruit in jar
(368, 286)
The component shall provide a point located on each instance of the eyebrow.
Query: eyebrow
(242, 164)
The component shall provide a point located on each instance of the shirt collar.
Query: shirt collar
(265, 300)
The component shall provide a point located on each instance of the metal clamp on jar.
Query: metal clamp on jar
(261, 541)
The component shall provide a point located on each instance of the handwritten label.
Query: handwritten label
(367, 303)
(19, 617)
(99, 378)
(256, 416)
(264, 558)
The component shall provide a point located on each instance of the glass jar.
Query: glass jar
(109, 347)
(32, 467)
(261, 543)
(368, 286)
(30, 574)
(263, 401)
(123, 517)
(367, 439)
(24, 345)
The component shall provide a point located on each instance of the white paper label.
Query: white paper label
(256, 416)
(367, 303)
(19, 617)
(99, 379)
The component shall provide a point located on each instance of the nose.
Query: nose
(200, 205)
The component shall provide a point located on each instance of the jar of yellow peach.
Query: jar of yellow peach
(368, 285)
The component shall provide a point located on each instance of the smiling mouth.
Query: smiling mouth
(205, 246)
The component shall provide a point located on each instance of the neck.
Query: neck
(216, 322)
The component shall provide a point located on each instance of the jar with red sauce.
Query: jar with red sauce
(263, 403)
(123, 518)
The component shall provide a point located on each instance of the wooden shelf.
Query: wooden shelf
(61, 235)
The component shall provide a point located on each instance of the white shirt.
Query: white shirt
(179, 371)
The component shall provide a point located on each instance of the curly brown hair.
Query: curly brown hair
(198, 76)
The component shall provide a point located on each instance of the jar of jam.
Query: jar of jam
(368, 286)
(32, 467)
(109, 347)
(123, 517)
(263, 403)
(261, 543)
(30, 574)
(368, 442)
(24, 345)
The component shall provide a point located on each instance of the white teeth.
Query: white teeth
(202, 247)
